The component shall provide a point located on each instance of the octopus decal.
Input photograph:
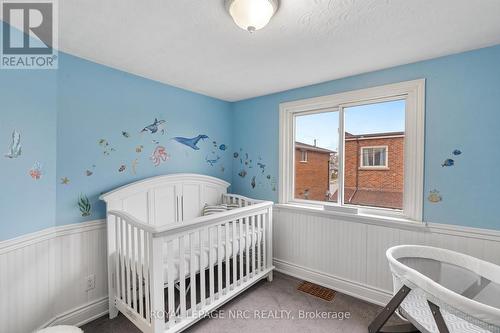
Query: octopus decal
(159, 155)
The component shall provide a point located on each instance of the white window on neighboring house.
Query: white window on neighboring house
(354, 130)
(374, 157)
(303, 155)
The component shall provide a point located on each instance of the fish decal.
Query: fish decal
(64, 180)
(191, 142)
(253, 182)
(222, 147)
(157, 125)
(84, 205)
(262, 166)
(448, 163)
(242, 173)
(159, 155)
(235, 155)
(457, 152)
(88, 173)
(434, 196)
(125, 134)
(15, 145)
(212, 161)
(36, 171)
(122, 168)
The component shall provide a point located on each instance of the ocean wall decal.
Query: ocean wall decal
(157, 125)
(107, 149)
(449, 161)
(159, 155)
(258, 179)
(191, 142)
(434, 196)
(84, 205)
(15, 147)
(36, 171)
(212, 161)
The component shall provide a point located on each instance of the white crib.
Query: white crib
(168, 266)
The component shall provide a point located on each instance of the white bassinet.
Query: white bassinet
(462, 291)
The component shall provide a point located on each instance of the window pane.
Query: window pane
(316, 160)
(374, 134)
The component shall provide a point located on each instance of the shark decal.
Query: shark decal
(191, 142)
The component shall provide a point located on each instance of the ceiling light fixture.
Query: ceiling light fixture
(251, 15)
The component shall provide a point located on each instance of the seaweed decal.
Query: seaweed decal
(134, 166)
(15, 145)
(84, 205)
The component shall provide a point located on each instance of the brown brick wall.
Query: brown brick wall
(312, 175)
(390, 179)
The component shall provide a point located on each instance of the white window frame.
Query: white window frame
(374, 167)
(413, 92)
(303, 156)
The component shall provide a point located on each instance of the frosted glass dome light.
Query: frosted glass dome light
(251, 15)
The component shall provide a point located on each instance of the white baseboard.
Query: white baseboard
(366, 293)
(81, 315)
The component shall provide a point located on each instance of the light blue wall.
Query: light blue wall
(462, 111)
(97, 102)
(27, 104)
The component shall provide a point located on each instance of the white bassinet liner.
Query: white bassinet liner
(234, 248)
(484, 315)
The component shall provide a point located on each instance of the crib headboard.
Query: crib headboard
(167, 199)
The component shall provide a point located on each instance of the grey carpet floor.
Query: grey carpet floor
(280, 297)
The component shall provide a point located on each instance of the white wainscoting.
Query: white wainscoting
(43, 277)
(348, 253)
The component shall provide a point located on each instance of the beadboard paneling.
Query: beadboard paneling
(348, 254)
(43, 277)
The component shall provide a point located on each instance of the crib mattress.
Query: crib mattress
(209, 260)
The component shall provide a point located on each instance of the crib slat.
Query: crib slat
(140, 265)
(211, 263)
(147, 275)
(192, 270)
(219, 260)
(117, 257)
(235, 253)
(129, 264)
(134, 263)
(202, 268)
(241, 250)
(253, 243)
(170, 279)
(122, 238)
(259, 243)
(264, 237)
(182, 275)
(228, 248)
(247, 246)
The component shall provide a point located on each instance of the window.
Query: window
(374, 157)
(303, 155)
(364, 151)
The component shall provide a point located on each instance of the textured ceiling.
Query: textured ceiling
(194, 44)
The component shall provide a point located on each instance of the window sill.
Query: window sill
(357, 217)
(374, 168)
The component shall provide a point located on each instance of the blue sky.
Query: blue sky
(363, 119)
